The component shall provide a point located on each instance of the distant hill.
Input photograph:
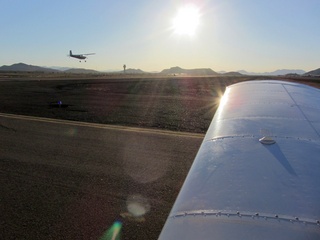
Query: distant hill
(59, 68)
(197, 71)
(134, 71)
(128, 71)
(80, 70)
(275, 73)
(22, 67)
(232, 74)
(313, 73)
(287, 71)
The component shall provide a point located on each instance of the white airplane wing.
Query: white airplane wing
(240, 188)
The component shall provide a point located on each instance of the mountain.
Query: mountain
(232, 74)
(134, 71)
(275, 73)
(59, 68)
(128, 71)
(313, 73)
(197, 71)
(22, 67)
(80, 70)
(247, 73)
(287, 71)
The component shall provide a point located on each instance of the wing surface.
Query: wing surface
(239, 188)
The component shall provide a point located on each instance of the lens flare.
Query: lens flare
(71, 132)
(137, 205)
(113, 233)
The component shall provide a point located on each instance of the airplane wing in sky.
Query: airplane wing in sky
(240, 187)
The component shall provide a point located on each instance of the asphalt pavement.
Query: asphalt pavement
(75, 180)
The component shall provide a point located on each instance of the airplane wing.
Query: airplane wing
(244, 186)
(88, 54)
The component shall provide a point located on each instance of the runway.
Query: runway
(72, 180)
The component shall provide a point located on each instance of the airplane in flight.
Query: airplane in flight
(257, 172)
(79, 56)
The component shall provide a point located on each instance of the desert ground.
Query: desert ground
(184, 104)
(177, 104)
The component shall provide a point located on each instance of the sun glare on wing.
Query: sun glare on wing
(186, 20)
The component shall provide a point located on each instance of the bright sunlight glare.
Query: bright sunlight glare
(186, 20)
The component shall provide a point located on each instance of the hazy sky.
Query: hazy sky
(254, 35)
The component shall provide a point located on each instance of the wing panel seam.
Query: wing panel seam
(301, 110)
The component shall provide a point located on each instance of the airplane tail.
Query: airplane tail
(70, 53)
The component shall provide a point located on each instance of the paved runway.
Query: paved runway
(72, 180)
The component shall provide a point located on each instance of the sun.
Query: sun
(186, 20)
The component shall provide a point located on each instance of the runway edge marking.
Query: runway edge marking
(103, 126)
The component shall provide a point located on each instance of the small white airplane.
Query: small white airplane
(80, 56)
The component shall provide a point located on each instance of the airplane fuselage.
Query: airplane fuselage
(78, 56)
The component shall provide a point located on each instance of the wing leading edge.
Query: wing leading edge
(240, 188)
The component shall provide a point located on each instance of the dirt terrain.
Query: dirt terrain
(174, 103)
(185, 104)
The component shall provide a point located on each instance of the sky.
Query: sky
(227, 35)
